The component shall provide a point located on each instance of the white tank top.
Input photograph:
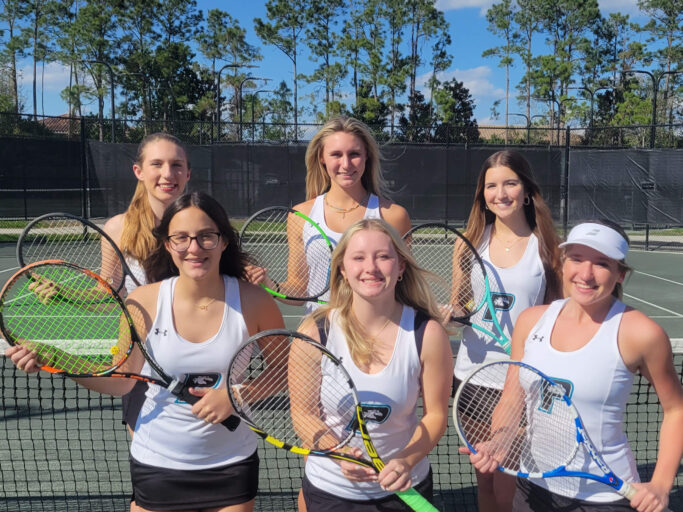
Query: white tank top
(513, 289)
(312, 236)
(389, 399)
(599, 384)
(167, 434)
(137, 270)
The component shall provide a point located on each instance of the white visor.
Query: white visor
(599, 237)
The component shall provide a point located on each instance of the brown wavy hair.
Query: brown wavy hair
(536, 212)
(159, 264)
(317, 179)
(137, 239)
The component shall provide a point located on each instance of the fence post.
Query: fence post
(85, 203)
(564, 187)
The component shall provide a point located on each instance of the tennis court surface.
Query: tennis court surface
(63, 448)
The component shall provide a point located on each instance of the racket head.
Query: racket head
(519, 415)
(445, 252)
(72, 318)
(66, 237)
(293, 249)
(291, 388)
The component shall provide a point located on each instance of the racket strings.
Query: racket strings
(443, 252)
(294, 253)
(43, 309)
(529, 428)
(289, 389)
(70, 240)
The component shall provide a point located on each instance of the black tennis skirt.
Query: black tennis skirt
(318, 500)
(158, 488)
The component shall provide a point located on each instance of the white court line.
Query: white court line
(677, 315)
(657, 277)
(13, 269)
(677, 253)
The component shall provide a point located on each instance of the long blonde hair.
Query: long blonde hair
(412, 290)
(317, 179)
(137, 239)
(536, 212)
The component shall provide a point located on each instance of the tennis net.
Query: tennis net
(63, 448)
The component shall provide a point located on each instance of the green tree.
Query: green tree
(37, 15)
(11, 14)
(396, 64)
(529, 22)
(501, 23)
(224, 40)
(323, 43)
(455, 112)
(288, 20)
(665, 25)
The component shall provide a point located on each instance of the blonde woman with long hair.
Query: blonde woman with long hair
(344, 184)
(511, 227)
(382, 322)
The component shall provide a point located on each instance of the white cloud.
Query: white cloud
(55, 79)
(477, 80)
(622, 6)
(606, 6)
(449, 5)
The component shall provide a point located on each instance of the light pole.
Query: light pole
(559, 108)
(655, 90)
(218, 91)
(253, 100)
(240, 98)
(111, 79)
(528, 123)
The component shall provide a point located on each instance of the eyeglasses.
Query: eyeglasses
(206, 241)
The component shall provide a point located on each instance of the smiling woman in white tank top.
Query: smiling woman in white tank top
(511, 227)
(344, 184)
(370, 323)
(596, 343)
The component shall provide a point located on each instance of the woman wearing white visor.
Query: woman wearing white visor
(597, 343)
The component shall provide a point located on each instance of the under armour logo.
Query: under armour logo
(164, 332)
(538, 338)
(593, 232)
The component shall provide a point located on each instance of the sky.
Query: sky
(470, 37)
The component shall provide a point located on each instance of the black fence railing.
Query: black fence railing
(206, 132)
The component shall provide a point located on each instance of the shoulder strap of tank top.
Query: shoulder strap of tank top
(323, 326)
(421, 320)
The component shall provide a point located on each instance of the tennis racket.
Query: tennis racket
(66, 237)
(295, 394)
(295, 252)
(464, 289)
(82, 328)
(528, 423)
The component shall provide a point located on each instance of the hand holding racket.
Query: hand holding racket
(295, 394)
(523, 422)
(291, 252)
(66, 237)
(464, 290)
(79, 333)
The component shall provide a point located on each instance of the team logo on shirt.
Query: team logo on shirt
(373, 413)
(550, 393)
(201, 380)
(501, 302)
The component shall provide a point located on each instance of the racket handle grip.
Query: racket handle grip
(416, 501)
(628, 492)
(231, 422)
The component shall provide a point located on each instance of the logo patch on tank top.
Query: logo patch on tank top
(550, 394)
(373, 413)
(201, 380)
(501, 302)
